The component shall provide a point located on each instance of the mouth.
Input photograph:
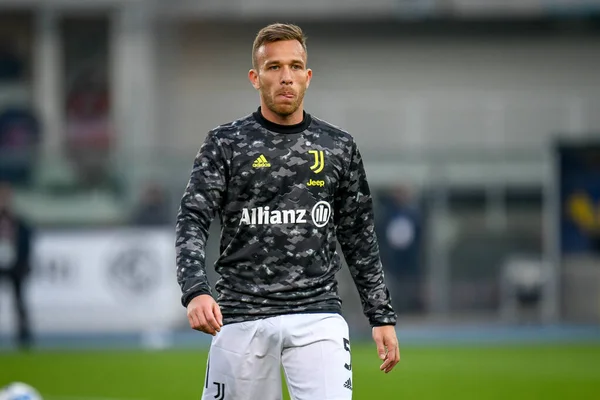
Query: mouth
(287, 95)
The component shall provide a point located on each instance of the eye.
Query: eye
(297, 67)
(274, 67)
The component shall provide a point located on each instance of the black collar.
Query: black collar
(272, 126)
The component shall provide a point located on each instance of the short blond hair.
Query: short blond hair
(274, 33)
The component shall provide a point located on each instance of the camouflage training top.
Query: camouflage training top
(283, 194)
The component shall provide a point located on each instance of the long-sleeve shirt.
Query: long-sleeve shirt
(283, 195)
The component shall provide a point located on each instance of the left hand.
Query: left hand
(387, 346)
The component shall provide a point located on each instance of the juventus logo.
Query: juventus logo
(319, 160)
(220, 390)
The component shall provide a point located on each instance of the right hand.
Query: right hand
(204, 314)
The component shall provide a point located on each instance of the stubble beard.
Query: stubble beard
(283, 109)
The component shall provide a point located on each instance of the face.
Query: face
(281, 77)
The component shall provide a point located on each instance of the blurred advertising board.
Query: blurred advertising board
(105, 281)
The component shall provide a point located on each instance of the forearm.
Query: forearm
(199, 205)
(356, 234)
(362, 256)
(191, 239)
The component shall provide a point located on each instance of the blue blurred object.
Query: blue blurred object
(580, 198)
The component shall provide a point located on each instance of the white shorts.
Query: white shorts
(245, 359)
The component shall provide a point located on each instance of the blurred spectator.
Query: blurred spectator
(12, 67)
(19, 142)
(153, 208)
(400, 236)
(88, 130)
(15, 254)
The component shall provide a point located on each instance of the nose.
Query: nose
(286, 76)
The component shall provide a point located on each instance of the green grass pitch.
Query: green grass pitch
(479, 373)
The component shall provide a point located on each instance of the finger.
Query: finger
(211, 320)
(380, 348)
(390, 354)
(218, 315)
(202, 324)
(387, 362)
(390, 367)
(387, 365)
(194, 323)
(393, 358)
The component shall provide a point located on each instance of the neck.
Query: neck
(295, 118)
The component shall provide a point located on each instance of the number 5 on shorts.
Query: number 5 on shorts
(347, 348)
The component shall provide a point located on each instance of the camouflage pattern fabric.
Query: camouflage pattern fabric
(283, 195)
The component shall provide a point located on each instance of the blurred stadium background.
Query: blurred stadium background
(479, 122)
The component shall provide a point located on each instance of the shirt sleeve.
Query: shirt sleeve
(358, 240)
(201, 201)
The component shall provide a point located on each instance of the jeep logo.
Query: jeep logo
(313, 182)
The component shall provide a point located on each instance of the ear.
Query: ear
(253, 77)
(309, 77)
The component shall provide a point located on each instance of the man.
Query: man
(400, 234)
(15, 249)
(153, 208)
(284, 185)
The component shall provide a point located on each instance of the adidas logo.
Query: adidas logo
(348, 384)
(261, 162)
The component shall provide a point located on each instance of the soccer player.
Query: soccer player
(285, 185)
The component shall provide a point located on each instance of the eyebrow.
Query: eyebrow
(294, 61)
